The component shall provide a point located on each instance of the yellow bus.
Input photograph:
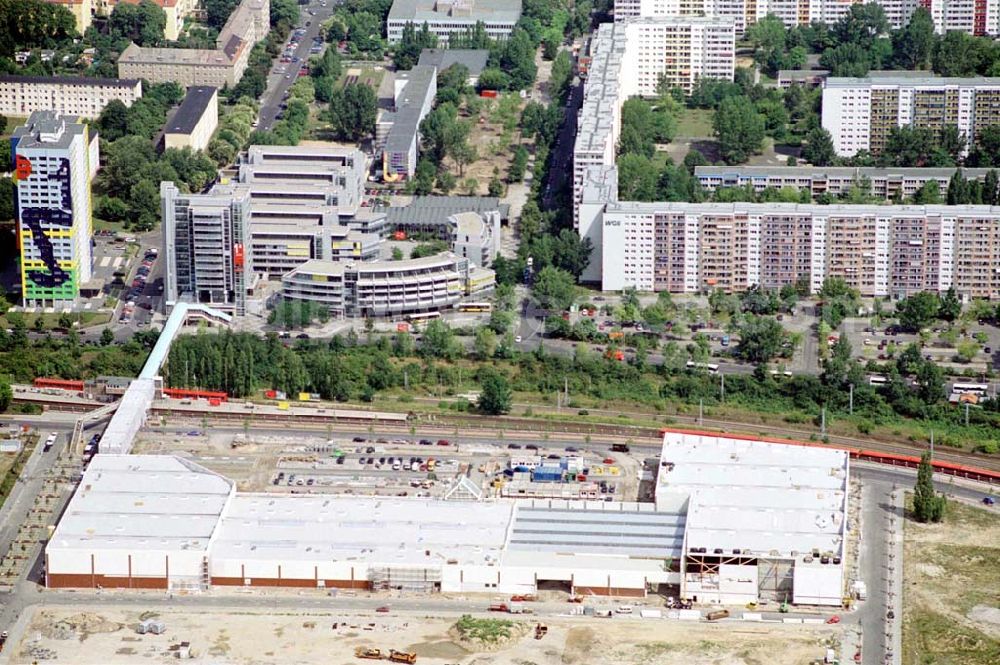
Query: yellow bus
(474, 307)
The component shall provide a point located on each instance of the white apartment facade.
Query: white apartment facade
(55, 162)
(860, 113)
(975, 17)
(629, 58)
(70, 96)
(879, 250)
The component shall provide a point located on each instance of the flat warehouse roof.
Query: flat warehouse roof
(376, 530)
(619, 533)
(755, 496)
(143, 501)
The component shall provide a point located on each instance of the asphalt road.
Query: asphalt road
(283, 75)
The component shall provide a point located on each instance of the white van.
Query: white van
(623, 609)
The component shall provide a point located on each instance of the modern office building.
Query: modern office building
(55, 162)
(859, 113)
(879, 250)
(475, 236)
(330, 176)
(413, 98)
(981, 17)
(447, 17)
(205, 239)
(284, 236)
(890, 183)
(387, 288)
(628, 59)
(195, 121)
(66, 95)
(220, 67)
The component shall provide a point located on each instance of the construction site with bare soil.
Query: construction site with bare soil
(111, 636)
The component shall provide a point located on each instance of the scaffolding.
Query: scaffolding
(405, 578)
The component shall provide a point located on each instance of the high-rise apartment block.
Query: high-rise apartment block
(975, 17)
(859, 113)
(879, 250)
(629, 59)
(55, 161)
(206, 236)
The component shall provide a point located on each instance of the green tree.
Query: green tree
(518, 165)
(914, 44)
(918, 311)
(412, 42)
(930, 382)
(554, 289)
(818, 149)
(959, 54)
(928, 194)
(495, 396)
(6, 394)
(438, 341)
(951, 306)
(112, 122)
(143, 23)
(485, 343)
(6, 199)
(767, 36)
(218, 11)
(352, 111)
(761, 339)
(739, 129)
(107, 337)
(928, 505)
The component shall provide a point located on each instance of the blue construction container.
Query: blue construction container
(547, 474)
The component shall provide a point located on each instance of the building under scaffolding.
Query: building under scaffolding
(765, 521)
(734, 521)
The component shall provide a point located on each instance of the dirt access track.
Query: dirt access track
(107, 636)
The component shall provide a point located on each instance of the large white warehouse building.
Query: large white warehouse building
(147, 521)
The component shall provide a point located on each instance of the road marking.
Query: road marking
(119, 260)
(105, 260)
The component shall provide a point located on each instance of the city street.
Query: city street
(283, 75)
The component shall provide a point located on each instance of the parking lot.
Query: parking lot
(311, 463)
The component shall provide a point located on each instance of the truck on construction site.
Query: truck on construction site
(509, 608)
(402, 656)
(523, 598)
(715, 615)
(368, 653)
(678, 603)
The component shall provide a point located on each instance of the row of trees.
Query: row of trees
(346, 368)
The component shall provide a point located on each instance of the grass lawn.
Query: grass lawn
(952, 589)
(368, 75)
(105, 225)
(696, 123)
